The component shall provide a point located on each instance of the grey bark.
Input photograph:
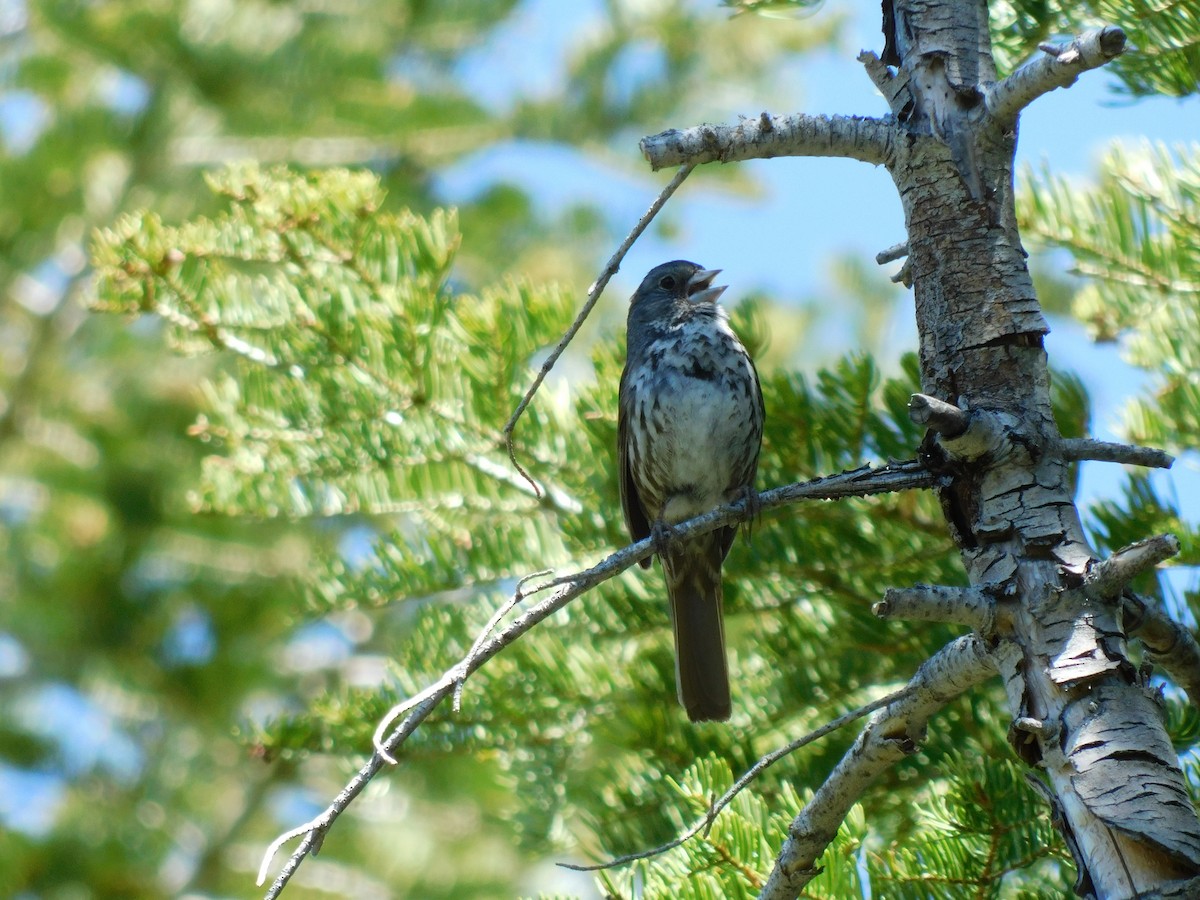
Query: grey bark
(1056, 617)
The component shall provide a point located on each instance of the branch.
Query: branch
(974, 607)
(1106, 451)
(891, 734)
(610, 269)
(1059, 68)
(767, 136)
(891, 254)
(1169, 644)
(942, 417)
(1176, 890)
(892, 83)
(964, 434)
(1109, 577)
(710, 816)
(861, 482)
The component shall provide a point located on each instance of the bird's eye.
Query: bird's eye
(667, 283)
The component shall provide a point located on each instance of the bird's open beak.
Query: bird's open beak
(700, 288)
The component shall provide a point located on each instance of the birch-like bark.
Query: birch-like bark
(1054, 613)
(1089, 723)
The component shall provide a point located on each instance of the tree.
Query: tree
(141, 641)
(402, 455)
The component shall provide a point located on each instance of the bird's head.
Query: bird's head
(676, 281)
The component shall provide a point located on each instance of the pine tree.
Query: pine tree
(360, 355)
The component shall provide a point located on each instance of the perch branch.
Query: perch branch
(1107, 451)
(890, 735)
(1059, 67)
(610, 269)
(860, 482)
(767, 136)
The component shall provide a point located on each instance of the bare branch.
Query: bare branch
(890, 735)
(610, 269)
(892, 84)
(1059, 67)
(942, 417)
(964, 434)
(1169, 644)
(891, 254)
(861, 482)
(767, 136)
(705, 823)
(1176, 890)
(864, 481)
(1107, 451)
(1110, 576)
(971, 606)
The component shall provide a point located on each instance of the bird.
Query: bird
(689, 432)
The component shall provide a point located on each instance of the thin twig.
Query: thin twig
(456, 674)
(610, 269)
(706, 822)
(505, 608)
(863, 481)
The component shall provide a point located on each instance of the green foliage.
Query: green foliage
(1183, 725)
(1133, 238)
(234, 562)
(983, 832)
(439, 541)
(729, 859)
(364, 383)
(1165, 35)
(132, 605)
(1142, 511)
(1164, 38)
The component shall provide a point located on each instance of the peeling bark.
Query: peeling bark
(1081, 712)
(1052, 618)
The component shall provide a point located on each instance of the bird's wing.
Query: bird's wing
(631, 503)
(748, 474)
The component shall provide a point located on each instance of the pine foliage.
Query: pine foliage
(982, 832)
(355, 357)
(363, 386)
(1134, 238)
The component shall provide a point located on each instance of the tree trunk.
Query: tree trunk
(1081, 711)
(1050, 616)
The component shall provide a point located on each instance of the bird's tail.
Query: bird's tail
(694, 589)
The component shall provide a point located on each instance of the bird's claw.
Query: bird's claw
(661, 535)
(753, 504)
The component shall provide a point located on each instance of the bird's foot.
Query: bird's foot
(749, 496)
(661, 534)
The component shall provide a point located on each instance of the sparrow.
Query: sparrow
(689, 431)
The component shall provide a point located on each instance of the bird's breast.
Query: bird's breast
(695, 418)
